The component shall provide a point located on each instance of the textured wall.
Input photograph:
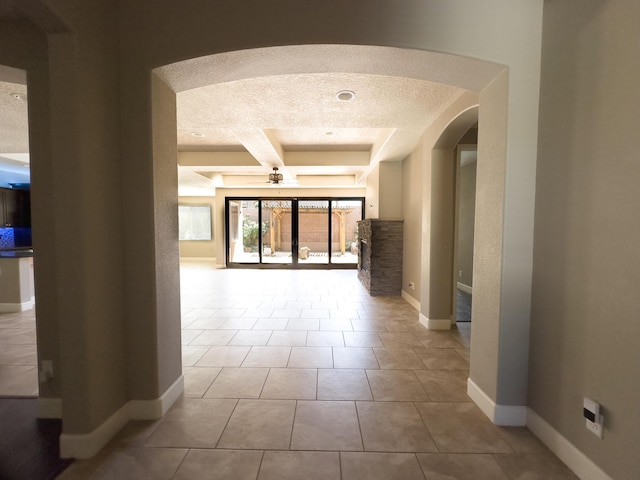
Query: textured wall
(585, 325)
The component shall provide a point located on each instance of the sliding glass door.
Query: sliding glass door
(292, 232)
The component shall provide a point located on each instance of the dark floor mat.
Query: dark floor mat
(29, 447)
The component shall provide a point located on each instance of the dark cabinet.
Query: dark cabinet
(15, 208)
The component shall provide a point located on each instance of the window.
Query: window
(194, 222)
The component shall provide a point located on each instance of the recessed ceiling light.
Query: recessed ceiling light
(328, 133)
(19, 96)
(345, 96)
(197, 134)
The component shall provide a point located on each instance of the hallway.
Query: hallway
(303, 375)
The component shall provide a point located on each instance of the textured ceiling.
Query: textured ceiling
(240, 114)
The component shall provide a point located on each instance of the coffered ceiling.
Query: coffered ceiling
(319, 129)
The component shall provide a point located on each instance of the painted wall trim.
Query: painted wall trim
(577, 461)
(465, 288)
(505, 415)
(16, 307)
(86, 445)
(410, 300)
(154, 409)
(49, 407)
(435, 324)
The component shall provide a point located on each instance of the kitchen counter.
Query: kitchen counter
(16, 252)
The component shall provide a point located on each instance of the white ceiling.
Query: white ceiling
(233, 133)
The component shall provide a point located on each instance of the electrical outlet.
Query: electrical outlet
(459, 273)
(596, 427)
(412, 285)
(46, 371)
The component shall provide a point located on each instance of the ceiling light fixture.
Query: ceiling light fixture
(345, 96)
(197, 134)
(275, 178)
(19, 96)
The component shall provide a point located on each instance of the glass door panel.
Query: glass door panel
(243, 236)
(313, 232)
(277, 231)
(345, 215)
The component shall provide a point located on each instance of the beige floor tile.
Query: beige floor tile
(24, 355)
(251, 337)
(131, 463)
(343, 384)
(242, 323)
(521, 440)
(213, 337)
(18, 380)
(396, 385)
(354, 357)
(398, 325)
(461, 428)
(303, 324)
(531, 466)
(326, 426)
(400, 340)
(288, 339)
(368, 325)
(258, 312)
(267, 357)
(325, 339)
(188, 335)
(460, 466)
(223, 357)
(343, 313)
(191, 354)
(362, 339)
(393, 427)
(433, 339)
(228, 313)
(286, 313)
(220, 465)
(203, 323)
(192, 423)
(260, 424)
(442, 359)
(198, 379)
(444, 385)
(271, 324)
(290, 383)
(336, 324)
(398, 358)
(316, 313)
(311, 357)
(18, 336)
(300, 465)
(238, 383)
(380, 466)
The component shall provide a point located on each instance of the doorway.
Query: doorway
(292, 232)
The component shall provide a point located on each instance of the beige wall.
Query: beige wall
(390, 190)
(201, 248)
(106, 169)
(585, 325)
(466, 217)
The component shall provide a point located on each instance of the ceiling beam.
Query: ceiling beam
(262, 144)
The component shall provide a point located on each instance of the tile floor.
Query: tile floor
(18, 358)
(303, 375)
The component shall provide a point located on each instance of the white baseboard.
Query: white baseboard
(504, 415)
(410, 300)
(86, 445)
(16, 307)
(465, 288)
(49, 407)
(435, 324)
(577, 461)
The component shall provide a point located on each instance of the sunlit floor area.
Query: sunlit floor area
(302, 375)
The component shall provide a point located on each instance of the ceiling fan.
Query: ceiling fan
(276, 178)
